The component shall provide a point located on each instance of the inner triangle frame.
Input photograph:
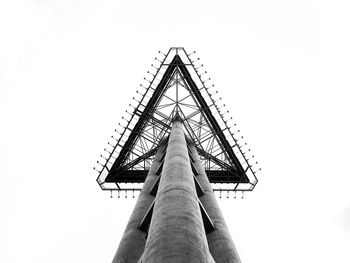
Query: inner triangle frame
(177, 88)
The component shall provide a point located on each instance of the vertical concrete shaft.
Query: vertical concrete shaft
(176, 233)
(220, 243)
(133, 241)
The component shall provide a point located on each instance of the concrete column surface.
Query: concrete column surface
(176, 233)
(133, 241)
(220, 243)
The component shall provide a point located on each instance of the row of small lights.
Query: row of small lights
(119, 193)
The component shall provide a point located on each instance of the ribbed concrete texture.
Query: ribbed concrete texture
(220, 243)
(133, 241)
(176, 233)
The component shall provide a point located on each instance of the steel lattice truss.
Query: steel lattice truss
(176, 88)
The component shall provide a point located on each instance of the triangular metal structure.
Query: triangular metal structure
(177, 89)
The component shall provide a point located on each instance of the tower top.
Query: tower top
(177, 88)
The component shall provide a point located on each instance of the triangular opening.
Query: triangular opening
(175, 91)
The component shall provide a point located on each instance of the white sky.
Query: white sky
(68, 70)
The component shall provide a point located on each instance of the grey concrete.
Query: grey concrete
(133, 241)
(176, 232)
(220, 243)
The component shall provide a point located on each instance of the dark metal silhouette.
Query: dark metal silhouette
(177, 87)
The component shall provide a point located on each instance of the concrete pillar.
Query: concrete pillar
(220, 243)
(176, 233)
(133, 241)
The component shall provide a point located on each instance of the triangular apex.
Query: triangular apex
(177, 91)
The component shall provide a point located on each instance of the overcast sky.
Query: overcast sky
(68, 70)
